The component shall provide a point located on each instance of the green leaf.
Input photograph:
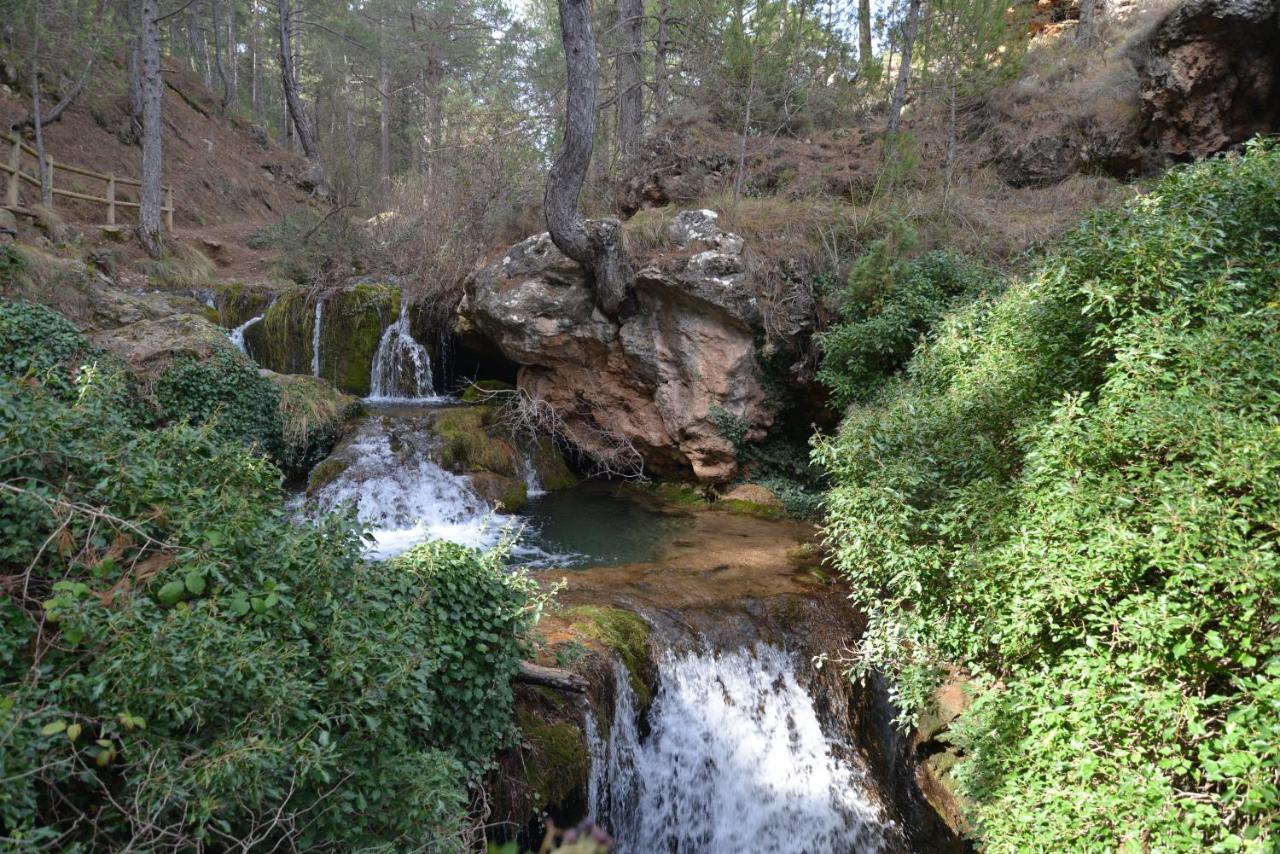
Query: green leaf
(194, 583)
(171, 592)
(53, 728)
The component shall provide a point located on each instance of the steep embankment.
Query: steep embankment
(1073, 495)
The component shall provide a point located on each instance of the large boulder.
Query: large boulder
(1211, 76)
(664, 375)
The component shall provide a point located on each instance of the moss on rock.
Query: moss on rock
(751, 508)
(352, 325)
(625, 633)
(282, 341)
(553, 472)
(509, 494)
(558, 762)
(314, 416)
(478, 392)
(468, 443)
(236, 302)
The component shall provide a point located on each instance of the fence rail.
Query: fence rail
(16, 177)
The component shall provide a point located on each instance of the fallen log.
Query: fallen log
(551, 677)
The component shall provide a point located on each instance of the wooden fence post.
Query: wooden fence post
(111, 198)
(15, 165)
(49, 163)
(168, 212)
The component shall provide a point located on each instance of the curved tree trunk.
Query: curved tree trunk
(290, 83)
(597, 245)
(216, 15)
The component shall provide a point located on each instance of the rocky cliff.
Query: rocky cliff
(672, 373)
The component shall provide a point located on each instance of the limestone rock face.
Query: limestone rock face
(1212, 77)
(679, 355)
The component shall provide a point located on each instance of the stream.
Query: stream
(735, 752)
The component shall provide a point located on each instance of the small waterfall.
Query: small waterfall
(402, 494)
(401, 366)
(736, 760)
(237, 335)
(315, 338)
(528, 471)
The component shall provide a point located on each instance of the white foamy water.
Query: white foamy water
(406, 498)
(401, 366)
(736, 760)
(315, 338)
(237, 335)
(403, 495)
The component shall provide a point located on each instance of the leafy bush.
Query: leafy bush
(887, 309)
(226, 391)
(1073, 494)
(183, 664)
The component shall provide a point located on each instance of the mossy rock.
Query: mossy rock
(282, 341)
(558, 763)
(751, 508)
(509, 494)
(682, 494)
(624, 633)
(324, 473)
(478, 392)
(314, 416)
(467, 443)
(237, 302)
(352, 322)
(351, 328)
(552, 470)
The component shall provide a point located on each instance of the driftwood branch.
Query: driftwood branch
(551, 677)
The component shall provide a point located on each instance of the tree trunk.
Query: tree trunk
(233, 49)
(630, 93)
(864, 32)
(289, 80)
(134, 61)
(384, 119)
(152, 158)
(909, 28)
(216, 17)
(551, 677)
(661, 84)
(46, 185)
(596, 245)
(1089, 10)
(255, 67)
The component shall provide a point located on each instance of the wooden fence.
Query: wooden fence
(16, 176)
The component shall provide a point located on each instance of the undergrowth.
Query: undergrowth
(185, 665)
(1073, 494)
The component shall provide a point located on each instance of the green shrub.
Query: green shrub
(886, 313)
(1074, 493)
(184, 664)
(227, 391)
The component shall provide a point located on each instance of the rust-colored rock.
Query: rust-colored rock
(664, 374)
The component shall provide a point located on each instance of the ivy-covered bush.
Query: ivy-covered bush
(886, 308)
(1074, 495)
(184, 665)
(227, 391)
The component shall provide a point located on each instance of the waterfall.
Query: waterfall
(401, 366)
(403, 494)
(315, 338)
(237, 335)
(735, 760)
(529, 472)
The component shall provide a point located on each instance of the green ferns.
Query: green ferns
(1074, 493)
(184, 665)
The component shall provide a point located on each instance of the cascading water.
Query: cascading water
(315, 338)
(735, 760)
(237, 335)
(401, 366)
(402, 493)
